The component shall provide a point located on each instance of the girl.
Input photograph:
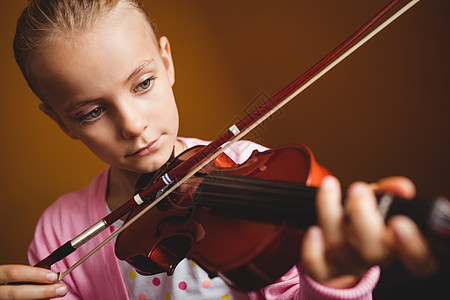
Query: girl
(106, 79)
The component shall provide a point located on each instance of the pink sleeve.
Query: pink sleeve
(300, 286)
(287, 287)
(98, 277)
(46, 239)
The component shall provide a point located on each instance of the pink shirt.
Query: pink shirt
(100, 276)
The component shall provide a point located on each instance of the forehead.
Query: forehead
(110, 51)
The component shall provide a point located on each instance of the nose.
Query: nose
(132, 121)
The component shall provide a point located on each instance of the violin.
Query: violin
(186, 197)
(262, 207)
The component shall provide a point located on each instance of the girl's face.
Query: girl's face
(111, 88)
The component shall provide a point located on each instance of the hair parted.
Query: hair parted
(45, 20)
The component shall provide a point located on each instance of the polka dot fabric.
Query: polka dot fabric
(189, 281)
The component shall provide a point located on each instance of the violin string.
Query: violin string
(253, 185)
(244, 132)
(294, 201)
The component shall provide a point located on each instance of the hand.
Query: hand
(20, 273)
(352, 238)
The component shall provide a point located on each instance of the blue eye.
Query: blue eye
(145, 85)
(93, 114)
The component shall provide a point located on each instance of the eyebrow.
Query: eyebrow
(139, 68)
(133, 74)
(73, 107)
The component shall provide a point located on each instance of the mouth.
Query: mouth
(144, 150)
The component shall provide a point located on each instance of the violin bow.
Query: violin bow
(171, 180)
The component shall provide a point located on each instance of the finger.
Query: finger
(398, 185)
(22, 273)
(412, 247)
(330, 212)
(32, 291)
(313, 254)
(367, 231)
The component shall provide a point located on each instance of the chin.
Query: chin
(148, 163)
(152, 165)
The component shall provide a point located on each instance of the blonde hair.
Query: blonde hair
(45, 20)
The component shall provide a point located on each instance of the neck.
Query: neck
(121, 187)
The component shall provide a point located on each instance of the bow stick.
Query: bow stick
(177, 176)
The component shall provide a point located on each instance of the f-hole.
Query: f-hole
(170, 251)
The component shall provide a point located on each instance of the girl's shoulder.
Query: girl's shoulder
(85, 197)
(68, 216)
(81, 206)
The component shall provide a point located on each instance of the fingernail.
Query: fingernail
(61, 291)
(407, 228)
(357, 189)
(328, 182)
(51, 276)
(314, 234)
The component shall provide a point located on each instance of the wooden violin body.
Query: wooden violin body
(241, 247)
(245, 222)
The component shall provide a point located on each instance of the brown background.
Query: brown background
(383, 111)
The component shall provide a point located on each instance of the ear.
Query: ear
(167, 58)
(55, 117)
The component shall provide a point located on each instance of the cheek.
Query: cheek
(101, 143)
(99, 146)
(165, 112)
(173, 117)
